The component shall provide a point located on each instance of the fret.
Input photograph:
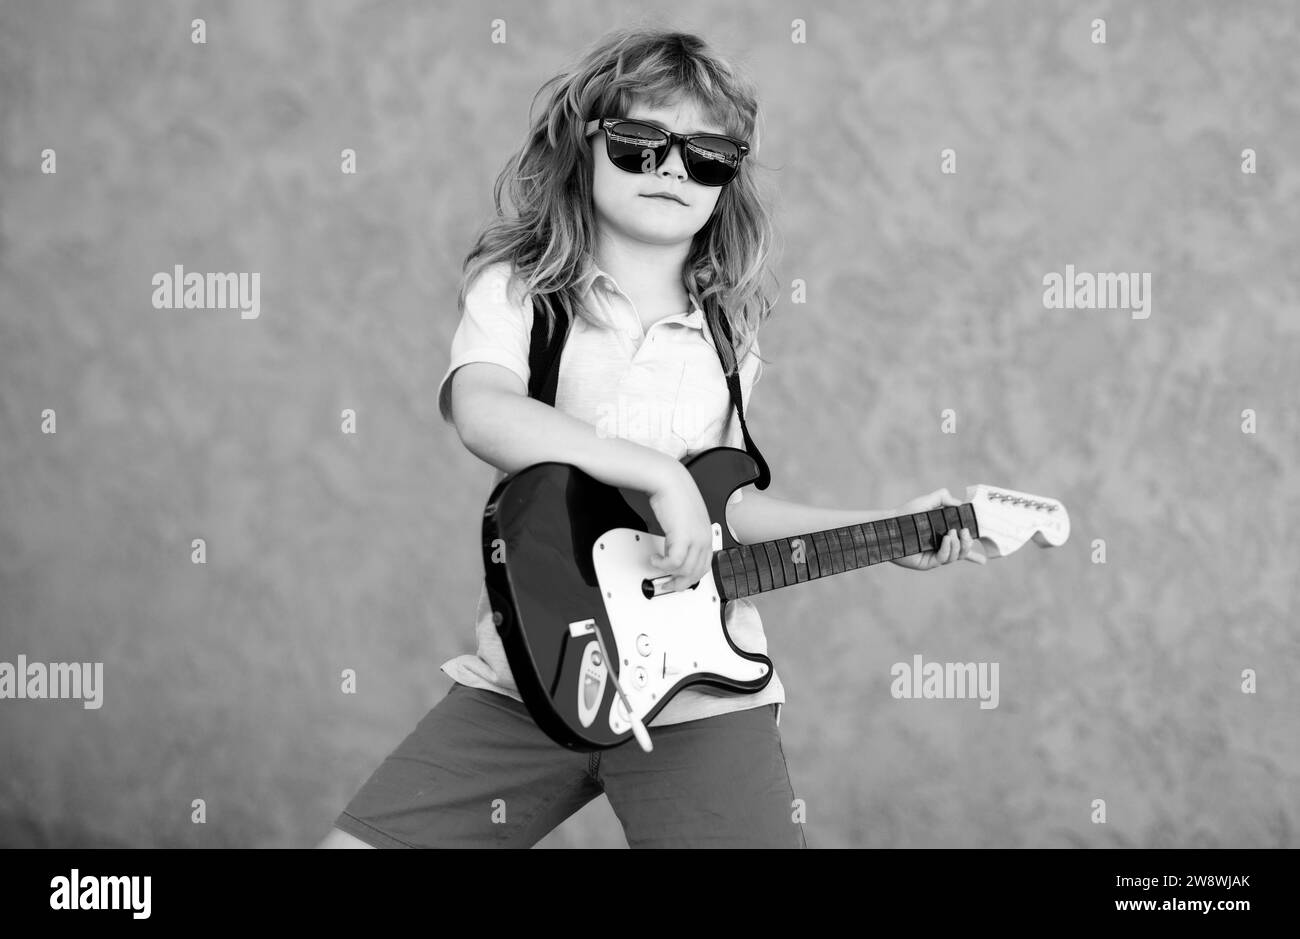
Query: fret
(846, 542)
(873, 542)
(937, 523)
(832, 552)
(823, 553)
(751, 569)
(810, 550)
(774, 565)
(923, 531)
(910, 545)
(727, 573)
(849, 540)
(860, 544)
(895, 539)
(858, 541)
(722, 571)
(738, 586)
(800, 567)
(966, 512)
(837, 554)
(764, 569)
(846, 548)
(951, 518)
(788, 567)
(863, 542)
(727, 568)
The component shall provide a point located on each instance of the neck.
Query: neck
(750, 569)
(650, 275)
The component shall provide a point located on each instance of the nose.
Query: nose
(674, 163)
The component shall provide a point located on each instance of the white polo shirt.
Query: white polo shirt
(663, 388)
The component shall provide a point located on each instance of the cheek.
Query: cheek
(609, 184)
(599, 181)
(706, 201)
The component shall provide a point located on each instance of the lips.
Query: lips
(666, 198)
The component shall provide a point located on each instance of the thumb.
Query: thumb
(945, 497)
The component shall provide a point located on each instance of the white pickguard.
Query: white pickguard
(662, 638)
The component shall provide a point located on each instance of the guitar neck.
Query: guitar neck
(750, 569)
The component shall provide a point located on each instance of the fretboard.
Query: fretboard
(750, 569)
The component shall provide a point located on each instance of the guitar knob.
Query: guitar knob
(640, 677)
(643, 644)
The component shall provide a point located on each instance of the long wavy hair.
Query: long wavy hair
(549, 233)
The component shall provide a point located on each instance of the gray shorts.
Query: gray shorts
(477, 772)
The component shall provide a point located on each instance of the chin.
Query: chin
(662, 236)
(670, 229)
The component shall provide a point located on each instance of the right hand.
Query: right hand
(688, 532)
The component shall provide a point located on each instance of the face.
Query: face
(622, 201)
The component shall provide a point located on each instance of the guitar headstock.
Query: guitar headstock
(1007, 519)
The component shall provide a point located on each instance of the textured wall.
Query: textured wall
(1119, 681)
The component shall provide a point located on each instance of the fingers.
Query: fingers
(692, 568)
(947, 547)
(670, 562)
(974, 551)
(673, 556)
(959, 546)
(688, 562)
(967, 551)
(956, 546)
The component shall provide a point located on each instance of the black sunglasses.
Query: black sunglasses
(639, 146)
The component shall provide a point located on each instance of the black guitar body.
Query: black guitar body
(540, 529)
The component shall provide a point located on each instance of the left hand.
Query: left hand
(957, 545)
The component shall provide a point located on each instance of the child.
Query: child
(642, 239)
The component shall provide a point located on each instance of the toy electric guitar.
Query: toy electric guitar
(597, 648)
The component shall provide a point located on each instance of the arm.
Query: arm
(501, 425)
(759, 517)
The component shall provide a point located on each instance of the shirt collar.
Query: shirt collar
(597, 280)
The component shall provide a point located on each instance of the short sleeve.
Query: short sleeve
(496, 326)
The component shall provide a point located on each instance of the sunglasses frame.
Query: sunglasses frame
(607, 123)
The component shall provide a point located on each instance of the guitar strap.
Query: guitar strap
(544, 373)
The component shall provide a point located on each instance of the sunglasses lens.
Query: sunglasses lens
(637, 148)
(712, 161)
(640, 148)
